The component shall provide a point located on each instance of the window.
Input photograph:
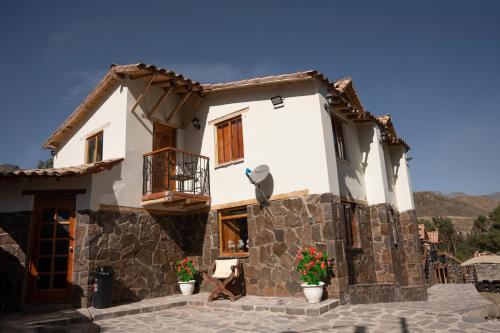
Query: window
(229, 140)
(233, 231)
(94, 148)
(338, 138)
(353, 239)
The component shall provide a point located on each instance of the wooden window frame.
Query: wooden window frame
(339, 138)
(87, 141)
(221, 218)
(353, 230)
(231, 140)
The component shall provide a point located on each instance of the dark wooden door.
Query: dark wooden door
(164, 162)
(51, 260)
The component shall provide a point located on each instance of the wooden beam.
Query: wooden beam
(164, 83)
(174, 203)
(179, 106)
(135, 77)
(55, 192)
(162, 98)
(143, 93)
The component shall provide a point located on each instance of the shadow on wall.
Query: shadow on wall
(14, 230)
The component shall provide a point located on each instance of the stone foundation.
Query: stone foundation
(143, 249)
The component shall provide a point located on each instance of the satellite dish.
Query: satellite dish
(263, 181)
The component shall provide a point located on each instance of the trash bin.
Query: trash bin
(103, 286)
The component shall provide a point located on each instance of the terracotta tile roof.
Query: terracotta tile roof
(385, 119)
(114, 75)
(79, 170)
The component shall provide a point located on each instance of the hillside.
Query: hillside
(461, 208)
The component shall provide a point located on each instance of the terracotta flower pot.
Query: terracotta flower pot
(187, 288)
(313, 292)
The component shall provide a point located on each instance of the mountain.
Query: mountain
(461, 208)
(495, 195)
(8, 167)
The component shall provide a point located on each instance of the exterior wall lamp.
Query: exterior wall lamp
(277, 100)
(196, 123)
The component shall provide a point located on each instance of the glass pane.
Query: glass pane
(59, 281)
(64, 215)
(60, 264)
(45, 247)
(44, 264)
(91, 150)
(43, 282)
(99, 148)
(48, 215)
(47, 231)
(62, 247)
(62, 231)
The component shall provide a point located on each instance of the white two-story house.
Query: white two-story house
(151, 168)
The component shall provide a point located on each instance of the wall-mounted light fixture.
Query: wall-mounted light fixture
(196, 123)
(383, 136)
(329, 100)
(277, 100)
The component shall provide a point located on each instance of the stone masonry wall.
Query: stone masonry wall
(488, 272)
(14, 231)
(141, 248)
(411, 246)
(361, 264)
(278, 232)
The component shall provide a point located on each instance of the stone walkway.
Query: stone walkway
(448, 310)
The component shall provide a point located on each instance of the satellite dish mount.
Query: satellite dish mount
(263, 181)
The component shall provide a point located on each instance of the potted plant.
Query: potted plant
(185, 275)
(312, 267)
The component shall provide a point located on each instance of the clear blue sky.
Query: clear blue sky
(434, 66)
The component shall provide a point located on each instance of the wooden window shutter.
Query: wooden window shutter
(230, 141)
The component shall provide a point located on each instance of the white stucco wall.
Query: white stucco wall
(12, 200)
(374, 164)
(290, 140)
(108, 117)
(403, 187)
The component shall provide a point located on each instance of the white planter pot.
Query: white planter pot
(187, 287)
(313, 292)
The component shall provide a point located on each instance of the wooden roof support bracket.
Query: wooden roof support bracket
(179, 106)
(143, 92)
(161, 100)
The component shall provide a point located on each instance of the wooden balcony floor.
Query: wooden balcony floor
(176, 202)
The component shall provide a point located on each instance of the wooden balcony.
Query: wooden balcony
(175, 181)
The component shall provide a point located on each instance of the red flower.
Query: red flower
(323, 265)
(311, 263)
(185, 259)
(179, 269)
(304, 272)
(312, 250)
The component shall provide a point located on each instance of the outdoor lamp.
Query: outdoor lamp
(196, 123)
(276, 100)
(329, 99)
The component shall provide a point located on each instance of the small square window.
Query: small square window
(233, 232)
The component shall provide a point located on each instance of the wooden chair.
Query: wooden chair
(227, 274)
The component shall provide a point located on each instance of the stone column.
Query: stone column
(382, 244)
(411, 246)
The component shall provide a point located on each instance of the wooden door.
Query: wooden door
(51, 261)
(163, 163)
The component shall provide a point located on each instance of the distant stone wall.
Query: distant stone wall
(14, 231)
(488, 272)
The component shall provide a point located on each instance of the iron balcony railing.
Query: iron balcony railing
(171, 169)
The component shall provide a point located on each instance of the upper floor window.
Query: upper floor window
(229, 140)
(353, 237)
(338, 137)
(94, 148)
(233, 231)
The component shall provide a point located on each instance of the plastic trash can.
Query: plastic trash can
(103, 287)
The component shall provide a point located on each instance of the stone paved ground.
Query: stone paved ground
(447, 310)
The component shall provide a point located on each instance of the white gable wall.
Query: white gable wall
(108, 117)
